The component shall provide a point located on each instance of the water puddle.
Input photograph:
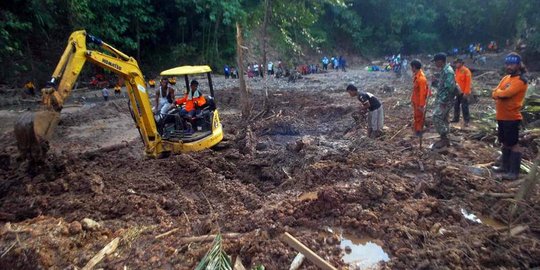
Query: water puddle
(308, 196)
(497, 225)
(362, 253)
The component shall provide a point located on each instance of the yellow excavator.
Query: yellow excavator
(160, 137)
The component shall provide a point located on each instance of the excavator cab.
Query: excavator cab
(200, 130)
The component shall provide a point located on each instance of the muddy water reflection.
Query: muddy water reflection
(484, 220)
(362, 253)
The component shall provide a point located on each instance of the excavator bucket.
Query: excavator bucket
(33, 132)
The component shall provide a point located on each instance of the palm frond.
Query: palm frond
(215, 258)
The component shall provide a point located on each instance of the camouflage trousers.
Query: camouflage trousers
(440, 117)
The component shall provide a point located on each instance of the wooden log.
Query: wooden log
(166, 233)
(107, 250)
(497, 195)
(205, 238)
(107, 149)
(310, 255)
(518, 229)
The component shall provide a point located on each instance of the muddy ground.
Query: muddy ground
(304, 166)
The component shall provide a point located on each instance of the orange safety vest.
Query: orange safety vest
(191, 103)
(464, 79)
(509, 96)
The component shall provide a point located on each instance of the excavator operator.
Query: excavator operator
(191, 100)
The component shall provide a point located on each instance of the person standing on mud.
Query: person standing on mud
(369, 103)
(464, 82)
(342, 63)
(325, 63)
(117, 91)
(418, 97)
(445, 83)
(508, 97)
(29, 88)
(105, 93)
(226, 71)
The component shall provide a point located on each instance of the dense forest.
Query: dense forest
(161, 34)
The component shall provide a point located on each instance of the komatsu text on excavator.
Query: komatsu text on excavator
(34, 130)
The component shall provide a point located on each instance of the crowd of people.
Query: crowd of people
(280, 69)
(394, 63)
(453, 90)
(475, 50)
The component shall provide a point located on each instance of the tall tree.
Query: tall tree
(245, 93)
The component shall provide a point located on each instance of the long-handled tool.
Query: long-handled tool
(424, 118)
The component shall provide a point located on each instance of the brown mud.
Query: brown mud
(301, 167)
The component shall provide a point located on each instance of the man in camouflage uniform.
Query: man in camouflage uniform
(445, 84)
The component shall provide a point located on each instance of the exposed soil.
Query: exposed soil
(407, 198)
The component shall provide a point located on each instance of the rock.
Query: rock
(387, 89)
(95, 183)
(435, 228)
(65, 230)
(90, 225)
(75, 227)
(5, 161)
(46, 258)
(261, 146)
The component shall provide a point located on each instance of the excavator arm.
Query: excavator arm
(34, 130)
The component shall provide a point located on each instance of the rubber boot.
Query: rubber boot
(505, 161)
(443, 142)
(515, 164)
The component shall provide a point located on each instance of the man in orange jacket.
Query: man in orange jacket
(419, 96)
(191, 100)
(508, 97)
(464, 81)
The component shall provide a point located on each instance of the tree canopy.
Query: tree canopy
(161, 34)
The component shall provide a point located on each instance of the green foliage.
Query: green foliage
(215, 258)
(163, 33)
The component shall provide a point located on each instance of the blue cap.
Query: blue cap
(512, 59)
